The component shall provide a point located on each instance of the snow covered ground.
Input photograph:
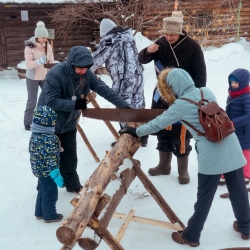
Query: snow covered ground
(19, 228)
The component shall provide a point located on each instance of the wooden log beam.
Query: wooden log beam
(105, 234)
(127, 176)
(103, 201)
(72, 228)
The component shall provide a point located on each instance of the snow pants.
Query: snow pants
(46, 198)
(168, 144)
(68, 159)
(32, 89)
(238, 195)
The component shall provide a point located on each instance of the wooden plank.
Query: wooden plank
(147, 221)
(125, 225)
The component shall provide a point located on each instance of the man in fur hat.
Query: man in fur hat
(175, 49)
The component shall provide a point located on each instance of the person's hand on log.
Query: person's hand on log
(56, 176)
(152, 48)
(128, 130)
(81, 103)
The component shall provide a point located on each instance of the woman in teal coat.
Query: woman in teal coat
(172, 85)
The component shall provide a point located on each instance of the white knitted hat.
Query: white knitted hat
(105, 26)
(40, 30)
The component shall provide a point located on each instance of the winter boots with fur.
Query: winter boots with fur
(164, 166)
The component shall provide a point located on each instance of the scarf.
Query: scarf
(237, 93)
(35, 128)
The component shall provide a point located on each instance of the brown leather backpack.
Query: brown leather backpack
(213, 119)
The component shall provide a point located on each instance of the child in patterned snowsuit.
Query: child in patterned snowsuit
(44, 148)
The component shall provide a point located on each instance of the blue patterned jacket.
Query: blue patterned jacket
(44, 153)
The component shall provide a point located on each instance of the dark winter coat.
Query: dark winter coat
(60, 83)
(189, 57)
(238, 108)
(44, 153)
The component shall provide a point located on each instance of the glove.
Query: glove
(41, 60)
(56, 176)
(81, 104)
(128, 130)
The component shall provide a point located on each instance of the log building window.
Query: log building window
(204, 19)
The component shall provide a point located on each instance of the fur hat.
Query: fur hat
(40, 30)
(44, 116)
(106, 26)
(172, 25)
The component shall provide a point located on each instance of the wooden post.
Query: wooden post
(85, 139)
(72, 228)
(125, 225)
(108, 123)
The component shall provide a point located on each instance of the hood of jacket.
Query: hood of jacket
(32, 43)
(174, 83)
(79, 56)
(242, 76)
(120, 33)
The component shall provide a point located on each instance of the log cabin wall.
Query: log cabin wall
(14, 31)
(209, 22)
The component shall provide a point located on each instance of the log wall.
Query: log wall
(14, 31)
(223, 20)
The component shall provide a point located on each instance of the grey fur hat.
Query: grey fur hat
(172, 25)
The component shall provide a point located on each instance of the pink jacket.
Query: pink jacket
(32, 52)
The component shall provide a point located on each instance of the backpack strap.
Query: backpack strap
(195, 129)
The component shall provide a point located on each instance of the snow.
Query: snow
(20, 230)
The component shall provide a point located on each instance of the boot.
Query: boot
(164, 166)
(183, 170)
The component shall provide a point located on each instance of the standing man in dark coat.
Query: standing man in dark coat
(64, 85)
(174, 49)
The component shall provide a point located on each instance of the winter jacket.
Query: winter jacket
(213, 158)
(185, 54)
(44, 153)
(62, 83)
(238, 108)
(117, 50)
(32, 52)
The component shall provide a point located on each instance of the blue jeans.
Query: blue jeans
(46, 198)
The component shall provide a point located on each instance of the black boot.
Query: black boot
(164, 166)
(183, 170)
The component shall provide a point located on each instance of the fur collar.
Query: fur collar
(165, 91)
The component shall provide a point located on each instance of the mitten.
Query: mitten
(41, 60)
(128, 130)
(81, 104)
(56, 176)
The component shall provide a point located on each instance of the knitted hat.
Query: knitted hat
(232, 79)
(44, 116)
(105, 26)
(172, 25)
(40, 30)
